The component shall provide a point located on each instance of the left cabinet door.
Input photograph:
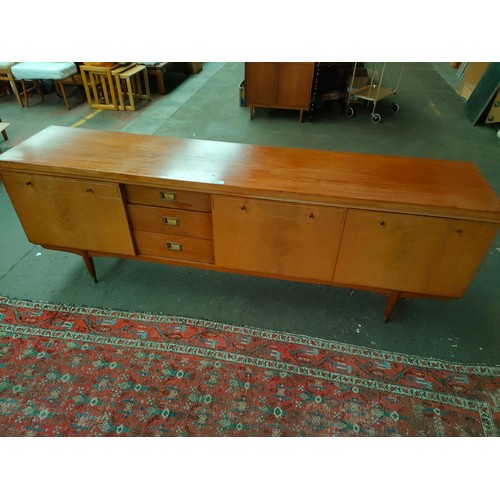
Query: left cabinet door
(70, 213)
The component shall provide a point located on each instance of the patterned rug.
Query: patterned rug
(77, 371)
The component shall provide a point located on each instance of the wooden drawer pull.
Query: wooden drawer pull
(171, 221)
(174, 246)
(166, 196)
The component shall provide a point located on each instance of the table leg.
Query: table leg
(391, 302)
(160, 81)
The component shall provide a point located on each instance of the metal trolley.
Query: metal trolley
(373, 92)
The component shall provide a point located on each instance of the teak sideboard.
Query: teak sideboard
(405, 227)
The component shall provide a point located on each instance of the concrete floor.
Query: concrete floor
(430, 124)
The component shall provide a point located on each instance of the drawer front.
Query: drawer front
(186, 200)
(171, 221)
(53, 186)
(430, 255)
(171, 246)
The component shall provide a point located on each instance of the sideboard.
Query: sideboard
(404, 227)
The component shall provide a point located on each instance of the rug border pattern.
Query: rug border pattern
(481, 407)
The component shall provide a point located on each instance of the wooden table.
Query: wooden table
(405, 227)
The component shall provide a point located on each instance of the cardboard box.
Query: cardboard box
(472, 75)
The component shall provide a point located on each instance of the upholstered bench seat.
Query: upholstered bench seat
(44, 70)
(57, 71)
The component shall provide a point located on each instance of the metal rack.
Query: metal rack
(373, 92)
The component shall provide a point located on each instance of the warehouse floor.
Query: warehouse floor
(430, 124)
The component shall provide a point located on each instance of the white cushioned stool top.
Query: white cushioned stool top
(43, 70)
(6, 65)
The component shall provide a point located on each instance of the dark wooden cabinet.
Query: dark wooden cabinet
(284, 85)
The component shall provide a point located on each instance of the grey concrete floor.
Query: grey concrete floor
(430, 124)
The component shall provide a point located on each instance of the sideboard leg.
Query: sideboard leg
(90, 265)
(391, 302)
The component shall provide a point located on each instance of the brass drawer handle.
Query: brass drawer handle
(174, 246)
(171, 221)
(166, 196)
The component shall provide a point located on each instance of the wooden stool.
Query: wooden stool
(37, 71)
(134, 87)
(6, 75)
(99, 85)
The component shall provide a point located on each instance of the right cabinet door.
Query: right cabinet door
(429, 255)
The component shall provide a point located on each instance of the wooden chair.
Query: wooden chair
(6, 75)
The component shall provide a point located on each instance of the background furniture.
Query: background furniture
(108, 86)
(405, 227)
(132, 83)
(6, 75)
(284, 85)
(36, 71)
(99, 85)
(158, 70)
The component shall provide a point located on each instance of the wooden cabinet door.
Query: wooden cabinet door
(78, 214)
(276, 238)
(261, 83)
(412, 253)
(295, 84)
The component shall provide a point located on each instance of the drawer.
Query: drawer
(53, 186)
(171, 221)
(174, 198)
(174, 246)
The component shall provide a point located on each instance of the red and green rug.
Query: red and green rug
(81, 371)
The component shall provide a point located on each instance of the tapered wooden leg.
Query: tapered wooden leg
(16, 92)
(301, 115)
(90, 265)
(63, 92)
(23, 83)
(391, 302)
(252, 111)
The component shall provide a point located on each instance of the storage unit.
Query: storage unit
(284, 85)
(405, 227)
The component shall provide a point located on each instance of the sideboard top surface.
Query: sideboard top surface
(442, 187)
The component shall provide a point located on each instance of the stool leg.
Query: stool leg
(63, 92)
(16, 92)
(39, 89)
(131, 95)
(146, 84)
(23, 83)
